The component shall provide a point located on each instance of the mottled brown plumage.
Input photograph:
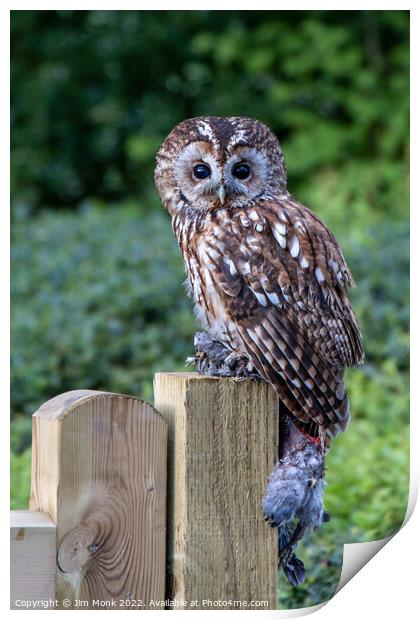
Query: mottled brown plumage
(267, 277)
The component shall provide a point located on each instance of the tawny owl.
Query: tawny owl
(269, 283)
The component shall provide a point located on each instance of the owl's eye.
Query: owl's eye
(202, 171)
(241, 171)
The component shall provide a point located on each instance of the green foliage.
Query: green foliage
(20, 472)
(97, 296)
(97, 303)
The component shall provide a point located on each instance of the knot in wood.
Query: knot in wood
(76, 549)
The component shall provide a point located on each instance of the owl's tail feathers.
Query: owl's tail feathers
(294, 498)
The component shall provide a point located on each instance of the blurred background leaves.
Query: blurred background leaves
(97, 295)
(94, 93)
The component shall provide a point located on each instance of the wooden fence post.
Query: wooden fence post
(223, 439)
(99, 471)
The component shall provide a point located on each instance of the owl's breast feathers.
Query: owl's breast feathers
(271, 281)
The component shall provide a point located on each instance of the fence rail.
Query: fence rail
(134, 506)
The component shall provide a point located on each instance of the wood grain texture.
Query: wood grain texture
(32, 559)
(99, 470)
(223, 439)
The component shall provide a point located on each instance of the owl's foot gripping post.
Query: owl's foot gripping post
(213, 359)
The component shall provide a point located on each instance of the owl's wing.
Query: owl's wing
(284, 282)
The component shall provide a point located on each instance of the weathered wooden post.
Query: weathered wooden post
(99, 472)
(223, 439)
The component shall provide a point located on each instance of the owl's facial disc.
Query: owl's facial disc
(209, 176)
(210, 161)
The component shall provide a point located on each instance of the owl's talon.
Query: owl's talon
(214, 359)
(232, 359)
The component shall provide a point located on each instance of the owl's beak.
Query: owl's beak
(222, 194)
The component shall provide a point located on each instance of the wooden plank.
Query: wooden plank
(99, 470)
(223, 439)
(32, 560)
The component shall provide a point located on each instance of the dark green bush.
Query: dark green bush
(95, 92)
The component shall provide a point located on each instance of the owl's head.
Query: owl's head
(209, 161)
